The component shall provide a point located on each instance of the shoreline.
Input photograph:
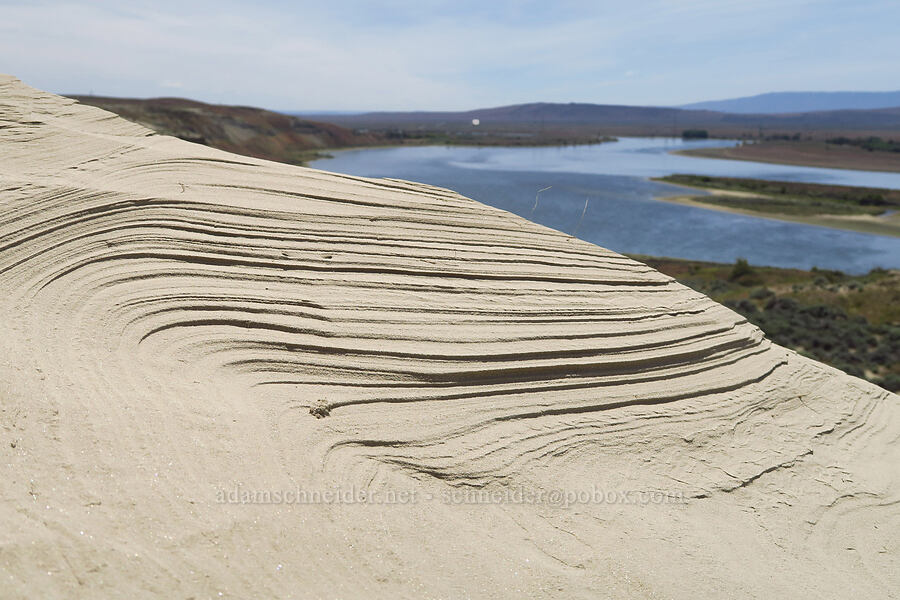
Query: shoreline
(715, 153)
(327, 151)
(821, 161)
(858, 223)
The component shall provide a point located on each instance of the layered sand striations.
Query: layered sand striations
(186, 329)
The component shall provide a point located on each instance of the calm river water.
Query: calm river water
(622, 213)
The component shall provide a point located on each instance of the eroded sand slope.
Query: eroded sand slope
(181, 325)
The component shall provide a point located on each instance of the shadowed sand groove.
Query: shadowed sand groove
(179, 322)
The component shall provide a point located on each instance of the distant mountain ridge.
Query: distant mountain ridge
(626, 120)
(294, 139)
(800, 102)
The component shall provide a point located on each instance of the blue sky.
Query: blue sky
(448, 55)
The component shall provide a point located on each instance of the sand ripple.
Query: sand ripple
(181, 321)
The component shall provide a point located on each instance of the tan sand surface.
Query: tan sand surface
(187, 333)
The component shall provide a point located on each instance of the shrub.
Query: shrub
(786, 305)
(881, 355)
(743, 273)
(890, 382)
(695, 134)
(873, 200)
(745, 307)
(849, 369)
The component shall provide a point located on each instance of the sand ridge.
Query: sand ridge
(183, 325)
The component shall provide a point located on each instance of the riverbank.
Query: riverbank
(486, 141)
(261, 133)
(847, 321)
(804, 153)
(865, 210)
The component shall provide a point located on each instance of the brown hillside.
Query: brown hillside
(239, 129)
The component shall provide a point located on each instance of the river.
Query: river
(622, 212)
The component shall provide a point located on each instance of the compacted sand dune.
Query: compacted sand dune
(226, 377)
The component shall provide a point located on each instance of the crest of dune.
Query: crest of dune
(187, 332)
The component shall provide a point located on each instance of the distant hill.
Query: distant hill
(295, 139)
(796, 102)
(240, 129)
(628, 120)
(572, 113)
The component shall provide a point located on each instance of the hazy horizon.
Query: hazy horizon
(439, 55)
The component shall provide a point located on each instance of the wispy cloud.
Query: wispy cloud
(440, 54)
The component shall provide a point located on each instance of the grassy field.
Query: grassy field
(849, 322)
(870, 210)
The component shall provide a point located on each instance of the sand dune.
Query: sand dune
(187, 333)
